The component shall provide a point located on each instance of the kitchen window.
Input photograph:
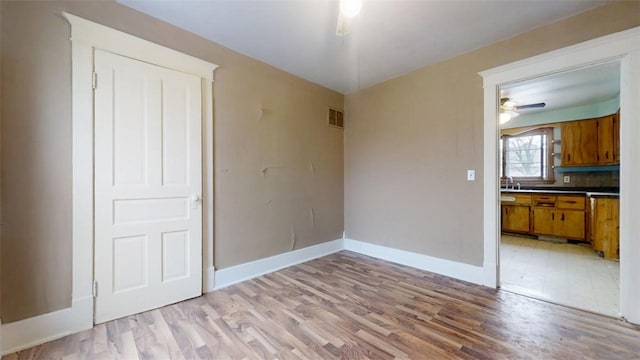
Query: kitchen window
(527, 157)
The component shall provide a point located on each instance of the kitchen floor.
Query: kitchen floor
(562, 273)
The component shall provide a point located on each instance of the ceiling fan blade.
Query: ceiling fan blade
(531, 106)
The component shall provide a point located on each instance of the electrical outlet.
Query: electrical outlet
(566, 179)
(471, 175)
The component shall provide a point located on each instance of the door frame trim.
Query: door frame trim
(85, 37)
(622, 47)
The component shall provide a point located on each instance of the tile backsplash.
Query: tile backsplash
(588, 179)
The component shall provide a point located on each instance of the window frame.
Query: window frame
(550, 178)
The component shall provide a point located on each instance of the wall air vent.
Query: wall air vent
(336, 118)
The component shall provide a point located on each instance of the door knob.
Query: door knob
(195, 201)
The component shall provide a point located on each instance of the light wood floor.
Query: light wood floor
(353, 307)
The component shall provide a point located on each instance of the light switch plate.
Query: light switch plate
(566, 179)
(471, 175)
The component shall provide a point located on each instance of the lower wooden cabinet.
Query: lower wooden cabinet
(543, 221)
(568, 224)
(571, 224)
(565, 216)
(560, 216)
(605, 226)
(515, 218)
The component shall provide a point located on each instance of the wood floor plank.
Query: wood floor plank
(349, 306)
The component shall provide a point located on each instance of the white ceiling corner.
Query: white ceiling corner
(388, 38)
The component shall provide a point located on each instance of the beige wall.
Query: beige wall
(410, 140)
(279, 167)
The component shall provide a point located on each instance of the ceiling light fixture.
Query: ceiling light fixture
(509, 104)
(507, 115)
(348, 10)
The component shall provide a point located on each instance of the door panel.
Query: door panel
(606, 143)
(579, 142)
(515, 218)
(571, 224)
(544, 221)
(148, 171)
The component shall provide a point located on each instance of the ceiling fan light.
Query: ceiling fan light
(344, 25)
(504, 117)
(509, 104)
(350, 8)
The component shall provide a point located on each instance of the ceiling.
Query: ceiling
(388, 38)
(567, 89)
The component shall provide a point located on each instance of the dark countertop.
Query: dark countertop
(590, 192)
(610, 189)
(603, 195)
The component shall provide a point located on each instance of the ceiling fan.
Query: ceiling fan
(508, 107)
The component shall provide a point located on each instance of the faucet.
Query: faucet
(510, 180)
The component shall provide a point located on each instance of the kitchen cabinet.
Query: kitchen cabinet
(605, 226)
(549, 214)
(591, 142)
(572, 213)
(568, 224)
(515, 218)
(516, 213)
(608, 148)
(579, 141)
(561, 216)
(544, 221)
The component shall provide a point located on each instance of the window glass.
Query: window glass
(526, 156)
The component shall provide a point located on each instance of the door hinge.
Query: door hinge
(94, 291)
(94, 80)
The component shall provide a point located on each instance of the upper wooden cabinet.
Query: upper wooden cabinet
(608, 144)
(579, 140)
(591, 142)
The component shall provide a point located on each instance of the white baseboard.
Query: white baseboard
(39, 329)
(457, 270)
(235, 274)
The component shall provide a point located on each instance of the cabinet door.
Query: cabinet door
(544, 221)
(579, 142)
(605, 230)
(570, 224)
(616, 138)
(606, 142)
(515, 218)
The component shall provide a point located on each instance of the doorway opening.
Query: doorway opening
(624, 48)
(559, 183)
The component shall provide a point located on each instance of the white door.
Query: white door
(148, 186)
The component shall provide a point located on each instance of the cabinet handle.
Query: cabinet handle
(571, 201)
(553, 216)
(562, 217)
(506, 210)
(606, 155)
(569, 157)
